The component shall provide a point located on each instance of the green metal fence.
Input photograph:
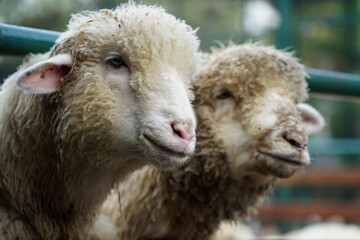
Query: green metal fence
(15, 40)
(18, 41)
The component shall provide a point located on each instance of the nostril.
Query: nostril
(295, 143)
(181, 131)
(177, 132)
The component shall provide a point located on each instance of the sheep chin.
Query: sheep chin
(163, 155)
(167, 162)
(275, 166)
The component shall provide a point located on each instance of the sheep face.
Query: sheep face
(124, 75)
(269, 138)
(253, 104)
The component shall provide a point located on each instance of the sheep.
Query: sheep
(324, 231)
(233, 231)
(318, 231)
(252, 130)
(112, 95)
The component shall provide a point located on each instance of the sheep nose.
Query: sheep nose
(183, 130)
(296, 141)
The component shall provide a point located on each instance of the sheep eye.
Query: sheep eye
(116, 62)
(223, 94)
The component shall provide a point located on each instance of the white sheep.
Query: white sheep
(110, 96)
(324, 231)
(318, 231)
(252, 130)
(233, 231)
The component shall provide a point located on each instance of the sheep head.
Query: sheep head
(252, 95)
(126, 73)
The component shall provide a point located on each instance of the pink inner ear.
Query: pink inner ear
(307, 118)
(45, 79)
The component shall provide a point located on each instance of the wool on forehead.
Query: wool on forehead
(141, 33)
(249, 68)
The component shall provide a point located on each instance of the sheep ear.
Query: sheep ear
(45, 76)
(311, 119)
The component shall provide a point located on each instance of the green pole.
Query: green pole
(16, 40)
(331, 82)
(350, 34)
(283, 34)
(19, 41)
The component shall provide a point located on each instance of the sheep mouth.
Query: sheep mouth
(164, 148)
(288, 160)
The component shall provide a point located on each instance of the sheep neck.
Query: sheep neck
(206, 191)
(40, 184)
(188, 203)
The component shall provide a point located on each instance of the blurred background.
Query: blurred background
(325, 34)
